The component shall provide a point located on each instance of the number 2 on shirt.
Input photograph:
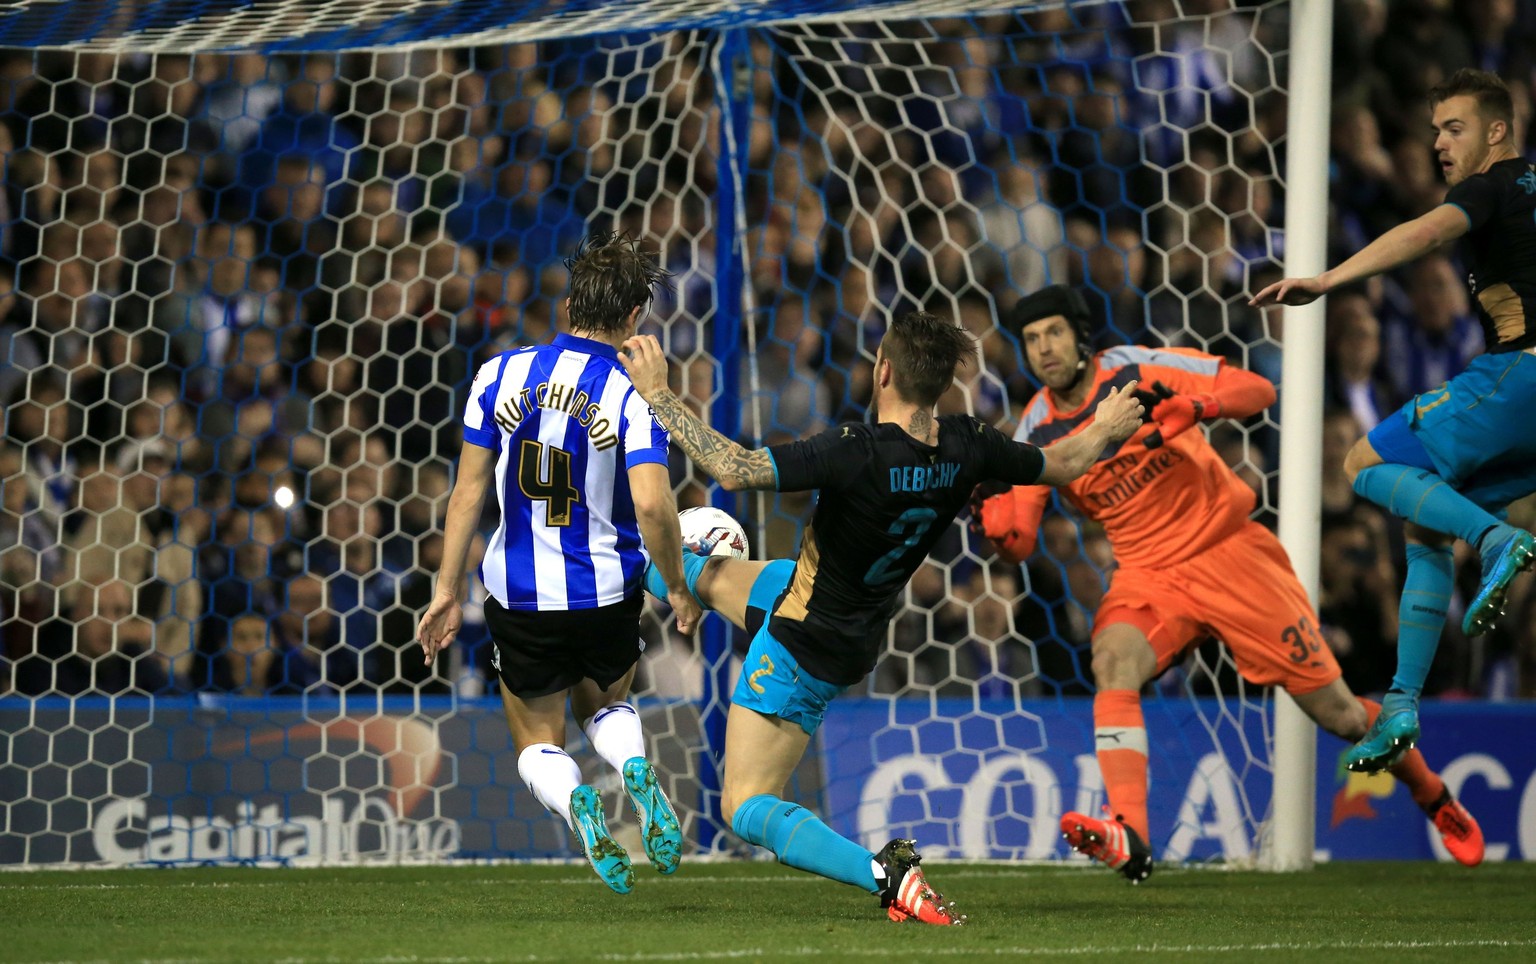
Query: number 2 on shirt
(914, 523)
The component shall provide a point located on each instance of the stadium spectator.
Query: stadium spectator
(41, 424)
(124, 360)
(1438, 335)
(19, 346)
(238, 93)
(304, 125)
(1357, 605)
(1024, 237)
(232, 299)
(1496, 45)
(64, 310)
(1357, 601)
(1354, 352)
(129, 533)
(31, 561)
(1362, 172)
(254, 401)
(292, 209)
(257, 661)
(331, 382)
(164, 116)
(164, 415)
(103, 646)
(250, 662)
(245, 572)
(303, 635)
(362, 582)
(1116, 273)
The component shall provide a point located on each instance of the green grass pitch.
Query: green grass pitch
(761, 911)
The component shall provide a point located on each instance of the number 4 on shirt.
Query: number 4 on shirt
(554, 489)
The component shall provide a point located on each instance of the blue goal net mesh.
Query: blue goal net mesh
(250, 255)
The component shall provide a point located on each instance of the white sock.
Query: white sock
(551, 775)
(615, 734)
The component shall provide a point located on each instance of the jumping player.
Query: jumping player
(1190, 562)
(887, 492)
(1451, 460)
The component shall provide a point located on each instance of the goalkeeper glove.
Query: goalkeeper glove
(1175, 414)
(995, 515)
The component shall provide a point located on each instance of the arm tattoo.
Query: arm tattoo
(715, 454)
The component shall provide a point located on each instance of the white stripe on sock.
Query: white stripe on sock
(1120, 738)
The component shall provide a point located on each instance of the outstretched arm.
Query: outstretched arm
(1235, 393)
(1117, 418)
(733, 466)
(1240, 393)
(1404, 243)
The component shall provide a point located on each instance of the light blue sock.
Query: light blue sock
(801, 840)
(1421, 614)
(693, 564)
(1422, 497)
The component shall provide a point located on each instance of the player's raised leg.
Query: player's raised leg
(693, 566)
(1340, 712)
(1123, 660)
(1414, 461)
(1391, 468)
(730, 587)
(774, 711)
(1394, 467)
(538, 733)
(613, 727)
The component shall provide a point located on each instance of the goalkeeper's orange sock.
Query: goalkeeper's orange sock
(1120, 740)
(1425, 785)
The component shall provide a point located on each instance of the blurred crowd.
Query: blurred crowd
(241, 297)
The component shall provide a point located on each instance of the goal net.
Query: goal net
(251, 255)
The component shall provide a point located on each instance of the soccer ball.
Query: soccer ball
(708, 531)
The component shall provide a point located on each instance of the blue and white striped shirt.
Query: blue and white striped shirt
(561, 418)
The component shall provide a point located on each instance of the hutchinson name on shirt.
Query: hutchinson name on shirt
(556, 397)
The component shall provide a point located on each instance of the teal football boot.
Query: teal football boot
(659, 827)
(1394, 733)
(608, 858)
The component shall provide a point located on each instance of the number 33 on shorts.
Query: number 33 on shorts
(1303, 640)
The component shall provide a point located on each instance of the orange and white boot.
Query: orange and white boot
(907, 895)
(1110, 842)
